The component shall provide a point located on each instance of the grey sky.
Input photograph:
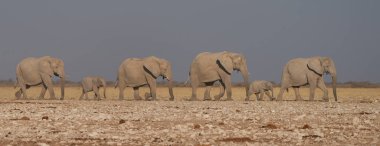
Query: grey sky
(94, 36)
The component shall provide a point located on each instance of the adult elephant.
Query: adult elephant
(308, 71)
(36, 71)
(210, 67)
(137, 72)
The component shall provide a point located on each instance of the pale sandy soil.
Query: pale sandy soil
(354, 120)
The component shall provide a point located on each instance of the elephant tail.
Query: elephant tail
(18, 74)
(15, 85)
(116, 82)
(188, 79)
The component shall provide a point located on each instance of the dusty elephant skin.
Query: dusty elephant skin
(39, 71)
(209, 68)
(308, 71)
(73, 122)
(92, 83)
(259, 88)
(137, 72)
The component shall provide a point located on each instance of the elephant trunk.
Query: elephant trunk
(170, 86)
(334, 80)
(271, 90)
(105, 89)
(62, 82)
(245, 75)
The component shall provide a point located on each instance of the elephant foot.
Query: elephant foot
(207, 99)
(217, 97)
(171, 98)
(52, 98)
(192, 99)
(138, 98)
(18, 95)
(299, 99)
(150, 99)
(121, 98)
(246, 99)
(228, 99)
(147, 95)
(22, 98)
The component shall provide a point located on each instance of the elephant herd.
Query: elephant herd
(206, 68)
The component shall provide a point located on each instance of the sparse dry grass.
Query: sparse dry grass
(181, 93)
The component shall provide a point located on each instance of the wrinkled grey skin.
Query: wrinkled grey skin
(308, 71)
(93, 84)
(259, 88)
(39, 71)
(211, 67)
(137, 72)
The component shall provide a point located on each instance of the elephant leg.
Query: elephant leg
(49, 84)
(268, 94)
(321, 85)
(86, 96)
(136, 93)
(257, 96)
(281, 93)
(297, 93)
(222, 90)
(97, 95)
(312, 91)
(227, 82)
(43, 91)
(18, 94)
(207, 91)
(23, 91)
(261, 95)
(81, 96)
(194, 87)
(153, 87)
(121, 89)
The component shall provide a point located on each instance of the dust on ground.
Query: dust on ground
(111, 122)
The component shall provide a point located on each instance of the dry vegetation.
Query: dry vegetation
(182, 93)
(355, 119)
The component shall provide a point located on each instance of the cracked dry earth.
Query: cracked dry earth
(75, 122)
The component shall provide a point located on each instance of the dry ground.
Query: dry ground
(355, 119)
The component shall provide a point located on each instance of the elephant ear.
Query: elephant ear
(96, 82)
(268, 85)
(45, 66)
(225, 61)
(315, 65)
(153, 67)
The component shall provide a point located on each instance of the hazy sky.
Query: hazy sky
(94, 36)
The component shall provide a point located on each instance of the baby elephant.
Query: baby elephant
(93, 84)
(260, 87)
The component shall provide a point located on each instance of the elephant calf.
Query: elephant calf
(259, 88)
(93, 84)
